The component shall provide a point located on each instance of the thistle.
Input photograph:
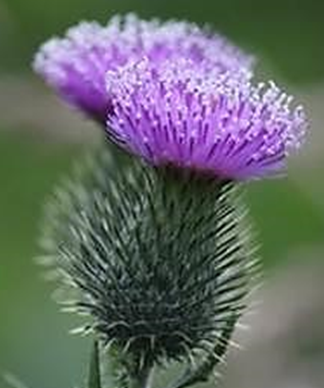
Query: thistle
(159, 251)
(76, 65)
(214, 124)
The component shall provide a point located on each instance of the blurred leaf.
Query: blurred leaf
(285, 218)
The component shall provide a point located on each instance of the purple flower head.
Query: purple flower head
(76, 65)
(178, 115)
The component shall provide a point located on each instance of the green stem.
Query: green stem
(94, 378)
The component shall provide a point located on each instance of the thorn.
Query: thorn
(235, 345)
(109, 344)
(152, 342)
(141, 361)
(77, 330)
(191, 359)
(244, 327)
(128, 345)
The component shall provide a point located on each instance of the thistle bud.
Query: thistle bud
(161, 259)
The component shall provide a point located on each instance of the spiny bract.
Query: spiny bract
(161, 260)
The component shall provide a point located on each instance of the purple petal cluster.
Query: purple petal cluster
(175, 114)
(174, 94)
(76, 65)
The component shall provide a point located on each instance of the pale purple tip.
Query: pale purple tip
(177, 115)
(76, 65)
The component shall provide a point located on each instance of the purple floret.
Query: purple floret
(76, 65)
(178, 115)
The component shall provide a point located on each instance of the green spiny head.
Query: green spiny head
(160, 260)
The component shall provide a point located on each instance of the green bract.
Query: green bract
(161, 259)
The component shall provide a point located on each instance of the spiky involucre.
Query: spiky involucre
(161, 259)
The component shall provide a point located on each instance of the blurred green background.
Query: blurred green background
(40, 138)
